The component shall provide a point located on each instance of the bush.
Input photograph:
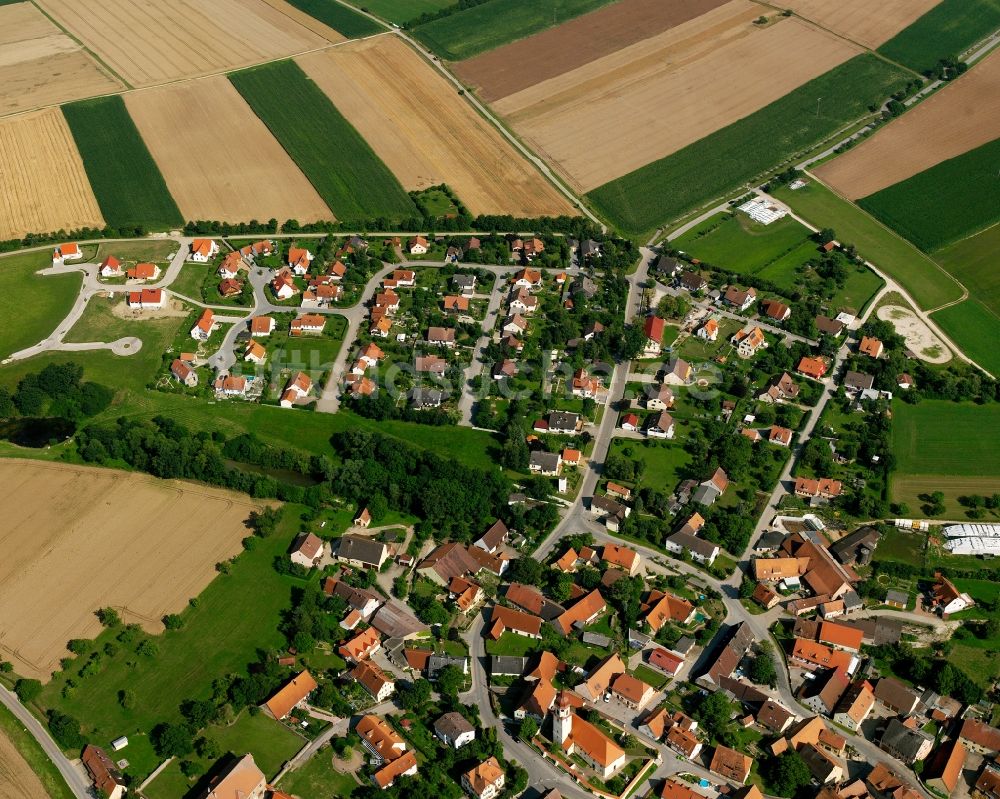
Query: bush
(27, 689)
(66, 730)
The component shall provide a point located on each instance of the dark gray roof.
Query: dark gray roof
(902, 741)
(437, 662)
(895, 595)
(546, 461)
(692, 281)
(878, 631)
(849, 548)
(693, 543)
(770, 541)
(608, 506)
(563, 420)
(453, 724)
(426, 397)
(858, 380)
(820, 765)
(706, 494)
(596, 639)
(359, 547)
(464, 281)
(504, 665)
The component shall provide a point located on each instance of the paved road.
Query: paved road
(74, 777)
(475, 368)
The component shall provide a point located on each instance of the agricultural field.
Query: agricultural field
(717, 164)
(973, 262)
(45, 187)
(975, 329)
(145, 563)
(25, 770)
(219, 160)
(126, 181)
(573, 44)
(958, 118)
(345, 21)
(42, 65)
(402, 11)
(484, 27)
(335, 158)
(441, 139)
(947, 30)
(689, 69)
(295, 11)
(923, 279)
(937, 207)
(151, 43)
(16, 777)
(37, 302)
(859, 20)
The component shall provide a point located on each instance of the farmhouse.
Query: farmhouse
(455, 303)
(741, 299)
(203, 250)
(361, 551)
(373, 680)
(505, 619)
(293, 694)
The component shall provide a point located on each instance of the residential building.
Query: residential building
(485, 781)
(103, 772)
(943, 771)
(871, 347)
(905, 743)
(547, 464)
(631, 691)
(183, 373)
(749, 341)
(240, 780)
(660, 425)
(778, 311)
(730, 764)
(854, 707)
(947, 599)
(203, 250)
(582, 613)
(812, 367)
(784, 388)
(308, 550)
(375, 681)
(653, 328)
(361, 646)
(291, 695)
(622, 557)
(508, 620)
(741, 299)
(979, 737)
(454, 730)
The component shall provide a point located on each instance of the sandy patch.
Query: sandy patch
(44, 187)
(17, 780)
(959, 117)
(425, 132)
(644, 102)
(919, 337)
(865, 22)
(76, 539)
(122, 311)
(219, 160)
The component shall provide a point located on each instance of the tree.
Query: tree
(529, 728)
(173, 621)
(172, 740)
(786, 774)
(109, 617)
(762, 670)
(826, 235)
(526, 570)
(378, 507)
(66, 730)
(400, 586)
(450, 681)
(27, 689)
(415, 694)
(207, 748)
(77, 645)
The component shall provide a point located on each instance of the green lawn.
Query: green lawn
(317, 778)
(32, 305)
(236, 615)
(947, 30)
(402, 11)
(951, 200)
(126, 181)
(723, 161)
(342, 19)
(331, 153)
(55, 786)
(975, 329)
(651, 676)
(736, 242)
(158, 251)
(270, 743)
(926, 282)
(902, 546)
(949, 438)
(980, 590)
(512, 644)
(973, 262)
(489, 25)
(664, 460)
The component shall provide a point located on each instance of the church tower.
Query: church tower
(562, 721)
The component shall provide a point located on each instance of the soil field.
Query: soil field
(17, 780)
(308, 20)
(332, 15)
(960, 117)
(867, 23)
(76, 539)
(40, 65)
(44, 185)
(574, 44)
(440, 139)
(219, 160)
(668, 91)
(149, 43)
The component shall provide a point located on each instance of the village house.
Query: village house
(251, 252)
(465, 594)
(504, 369)
(418, 245)
(749, 342)
(947, 599)
(905, 743)
(871, 347)
(854, 706)
(662, 608)
(781, 436)
(741, 299)
(784, 388)
(283, 285)
(231, 386)
(485, 781)
(829, 327)
(628, 560)
(773, 309)
(184, 373)
(660, 425)
(441, 337)
(230, 266)
(455, 304)
(361, 551)
(110, 267)
(583, 385)
(692, 281)
(255, 353)
(375, 681)
(388, 751)
(815, 368)
(708, 331)
(241, 780)
(653, 329)
(659, 397)
(203, 250)
(294, 694)
(823, 488)
(228, 288)
(430, 364)
(730, 764)
(66, 252)
(522, 302)
(142, 271)
(307, 324)
(362, 646)
(515, 325)
(297, 388)
(630, 422)
(527, 278)
(261, 326)
(897, 697)
(146, 299)
(308, 550)
(508, 620)
(678, 373)
(104, 773)
(454, 730)
(631, 691)
(464, 284)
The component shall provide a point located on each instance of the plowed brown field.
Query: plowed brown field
(424, 132)
(865, 22)
(646, 101)
(44, 187)
(76, 539)
(219, 160)
(154, 42)
(40, 65)
(960, 117)
(573, 44)
(17, 780)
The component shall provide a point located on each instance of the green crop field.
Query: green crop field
(33, 754)
(951, 200)
(926, 282)
(125, 179)
(330, 152)
(973, 261)
(729, 158)
(496, 22)
(32, 305)
(975, 329)
(342, 19)
(945, 31)
(947, 438)
(402, 11)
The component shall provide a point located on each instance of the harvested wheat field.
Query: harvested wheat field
(960, 117)
(17, 780)
(77, 538)
(668, 91)
(148, 43)
(573, 44)
(44, 187)
(424, 132)
(219, 160)
(40, 65)
(867, 23)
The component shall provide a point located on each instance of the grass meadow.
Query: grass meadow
(402, 11)
(973, 261)
(926, 282)
(945, 31)
(344, 20)
(720, 163)
(125, 179)
(485, 27)
(318, 778)
(32, 305)
(975, 329)
(345, 171)
(951, 200)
